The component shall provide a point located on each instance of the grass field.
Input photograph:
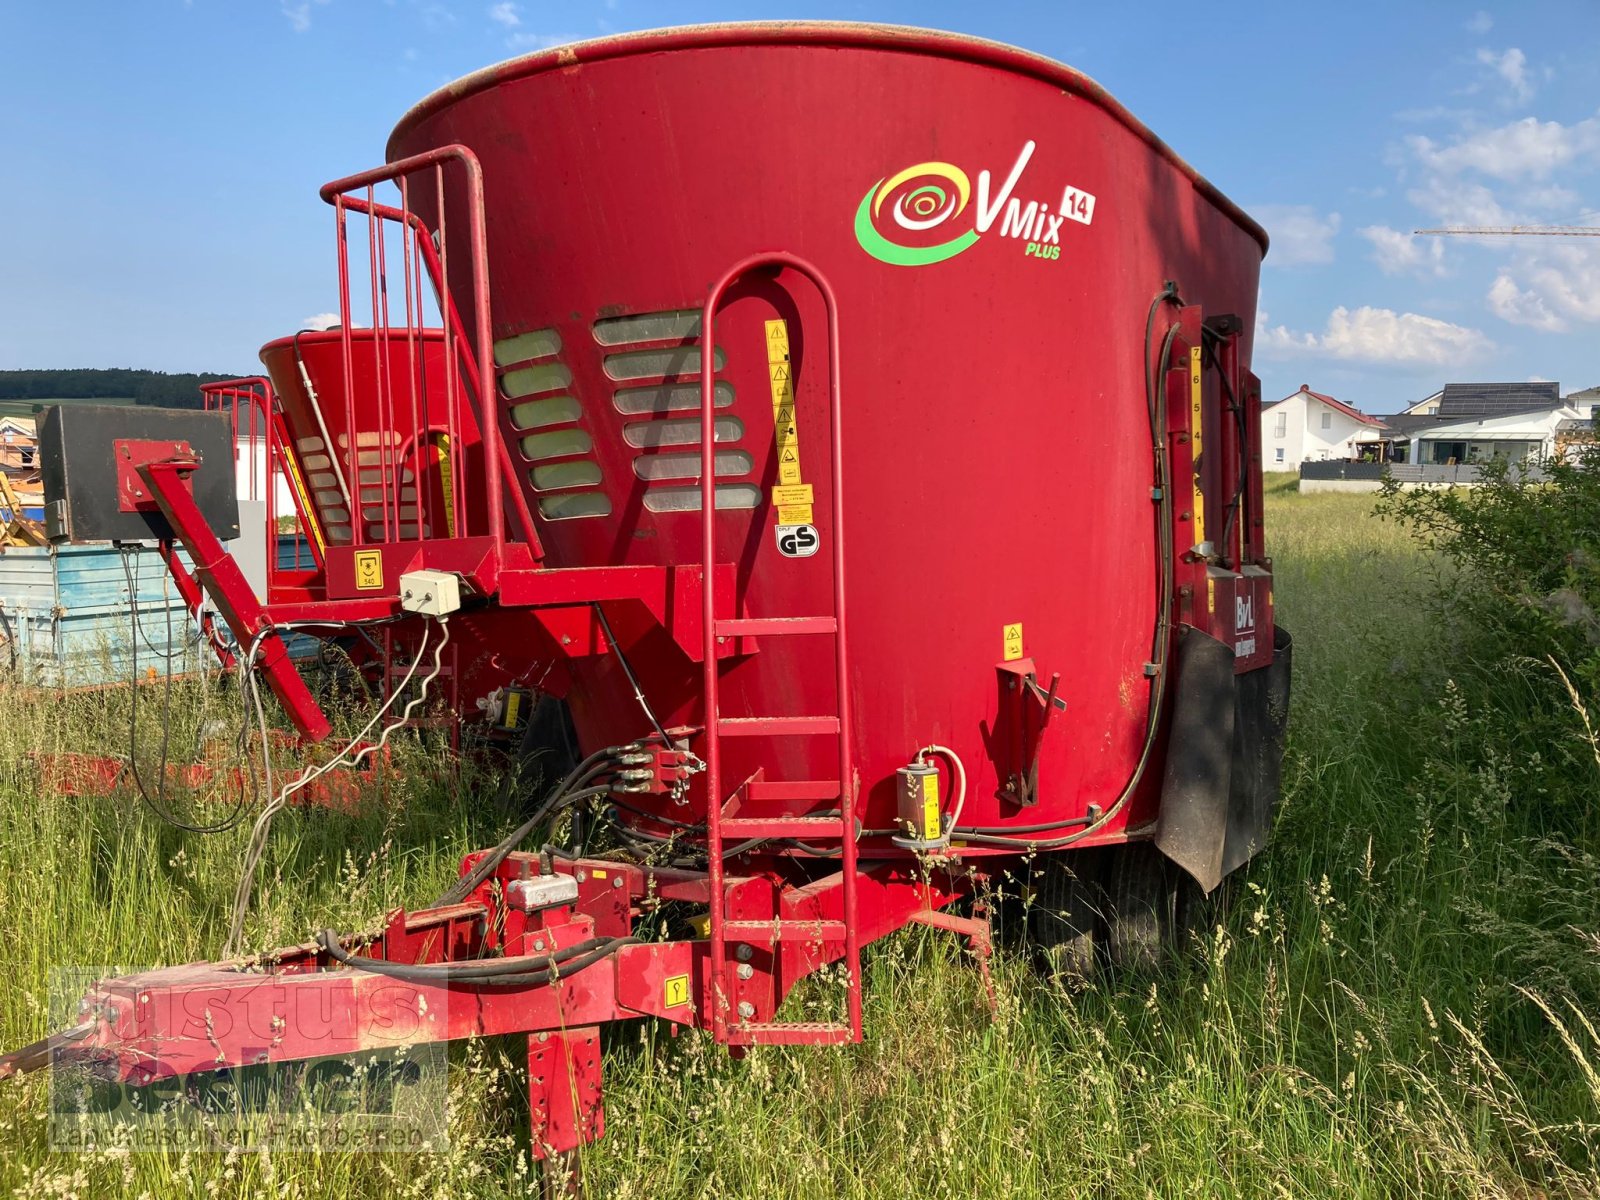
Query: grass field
(1385, 1010)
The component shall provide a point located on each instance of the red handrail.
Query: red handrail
(477, 368)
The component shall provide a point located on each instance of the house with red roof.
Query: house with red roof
(1308, 426)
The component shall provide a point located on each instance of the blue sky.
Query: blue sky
(162, 159)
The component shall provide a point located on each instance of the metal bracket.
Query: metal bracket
(133, 493)
(1024, 713)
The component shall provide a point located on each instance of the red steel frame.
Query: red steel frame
(144, 1027)
(206, 1017)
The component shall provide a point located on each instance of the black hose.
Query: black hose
(169, 653)
(565, 793)
(1241, 427)
(496, 972)
(158, 807)
(627, 670)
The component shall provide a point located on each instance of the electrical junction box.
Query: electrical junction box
(430, 593)
(543, 891)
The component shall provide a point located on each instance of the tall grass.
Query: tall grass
(1397, 1003)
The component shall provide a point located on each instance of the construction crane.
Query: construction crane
(1522, 230)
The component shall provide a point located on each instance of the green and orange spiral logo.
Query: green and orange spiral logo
(922, 202)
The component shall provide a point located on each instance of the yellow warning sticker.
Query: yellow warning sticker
(1011, 635)
(369, 570)
(314, 525)
(1211, 595)
(1197, 438)
(791, 496)
(441, 442)
(777, 341)
(597, 874)
(799, 493)
(675, 991)
(931, 824)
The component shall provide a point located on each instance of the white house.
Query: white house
(1470, 422)
(1309, 426)
(1515, 436)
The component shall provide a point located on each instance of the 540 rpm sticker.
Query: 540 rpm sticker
(797, 541)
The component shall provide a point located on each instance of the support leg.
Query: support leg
(564, 1103)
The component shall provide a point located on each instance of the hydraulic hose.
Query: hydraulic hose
(494, 972)
(568, 792)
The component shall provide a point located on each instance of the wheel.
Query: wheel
(1153, 908)
(1066, 927)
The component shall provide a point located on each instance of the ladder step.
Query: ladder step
(793, 789)
(775, 626)
(756, 726)
(791, 1033)
(765, 932)
(781, 827)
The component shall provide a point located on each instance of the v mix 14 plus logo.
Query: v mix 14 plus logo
(902, 215)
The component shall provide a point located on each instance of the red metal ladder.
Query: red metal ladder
(730, 1024)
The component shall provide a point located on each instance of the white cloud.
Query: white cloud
(1452, 202)
(299, 15)
(1378, 336)
(1299, 235)
(1512, 67)
(1528, 147)
(1480, 23)
(328, 320)
(505, 14)
(1548, 285)
(1521, 307)
(1398, 253)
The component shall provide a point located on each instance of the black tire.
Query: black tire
(1153, 908)
(1066, 925)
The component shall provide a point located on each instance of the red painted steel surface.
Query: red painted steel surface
(349, 388)
(488, 650)
(995, 439)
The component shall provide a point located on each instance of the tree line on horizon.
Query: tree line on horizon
(85, 383)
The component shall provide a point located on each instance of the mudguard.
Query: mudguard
(1224, 757)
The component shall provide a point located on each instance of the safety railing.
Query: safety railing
(266, 470)
(415, 463)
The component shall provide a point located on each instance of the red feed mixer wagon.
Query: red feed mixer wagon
(854, 427)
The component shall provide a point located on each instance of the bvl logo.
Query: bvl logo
(1244, 613)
